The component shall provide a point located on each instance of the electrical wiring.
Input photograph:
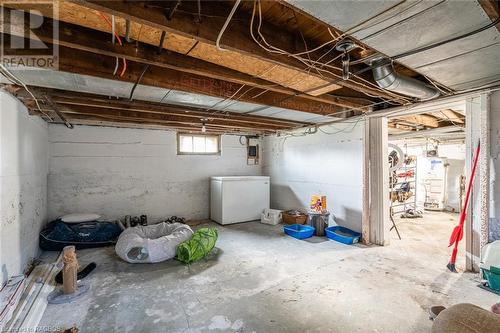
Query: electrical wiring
(113, 42)
(230, 97)
(312, 129)
(269, 48)
(304, 61)
(273, 49)
(344, 130)
(113, 29)
(441, 43)
(114, 33)
(18, 81)
(428, 47)
(165, 96)
(233, 101)
(362, 26)
(313, 64)
(221, 32)
(446, 93)
(402, 20)
(146, 67)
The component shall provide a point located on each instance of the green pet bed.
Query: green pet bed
(198, 247)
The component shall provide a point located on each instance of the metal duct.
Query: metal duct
(387, 78)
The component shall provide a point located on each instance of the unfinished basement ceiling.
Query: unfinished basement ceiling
(274, 60)
(95, 85)
(395, 27)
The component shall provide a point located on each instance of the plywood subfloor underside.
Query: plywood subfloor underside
(267, 70)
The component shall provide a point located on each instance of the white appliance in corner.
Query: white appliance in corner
(238, 199)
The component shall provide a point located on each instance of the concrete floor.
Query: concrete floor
(261, 280)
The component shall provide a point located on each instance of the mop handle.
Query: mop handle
(469, 187)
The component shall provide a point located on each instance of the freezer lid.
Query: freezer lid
(240, 178)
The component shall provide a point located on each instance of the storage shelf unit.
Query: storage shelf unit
(397, 207)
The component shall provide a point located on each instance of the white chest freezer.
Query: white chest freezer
(238, 199)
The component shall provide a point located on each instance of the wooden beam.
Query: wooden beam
(84, 39)
(421, 119)
(492, 9)
(85, 63)
(59, 113)
(237, 38)
(149, 118)
(192, 114)
(394, 124)
(93, 117)
(80, 119)
(450, 116)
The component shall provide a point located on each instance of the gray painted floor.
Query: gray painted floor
(261, 280)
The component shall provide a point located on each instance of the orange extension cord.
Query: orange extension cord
(119, 42)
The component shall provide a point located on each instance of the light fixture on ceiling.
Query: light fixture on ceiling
(345, 46)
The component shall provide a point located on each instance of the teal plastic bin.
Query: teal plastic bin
(493, 277)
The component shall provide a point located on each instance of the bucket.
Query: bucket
(319, 221)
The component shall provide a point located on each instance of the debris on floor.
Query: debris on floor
(10, 294)
(412, 214)
(73, 329)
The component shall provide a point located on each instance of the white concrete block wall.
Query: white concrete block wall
(118, 171)
(494, 227)
(24, 168)
(330, 165)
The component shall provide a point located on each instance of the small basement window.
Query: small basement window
(198, 144)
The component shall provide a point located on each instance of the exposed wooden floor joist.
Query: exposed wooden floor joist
(89, 107)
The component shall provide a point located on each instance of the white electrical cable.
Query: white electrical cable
(310, 64)
(217, 42)
(113, 42)
(4, 69)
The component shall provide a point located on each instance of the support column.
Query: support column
(478, 212)
(378, 181)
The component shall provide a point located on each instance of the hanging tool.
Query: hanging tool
(458, 231)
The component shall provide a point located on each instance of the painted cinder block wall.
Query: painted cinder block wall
(24, 160)
(494, 226)
(118, 171)
(320, 163)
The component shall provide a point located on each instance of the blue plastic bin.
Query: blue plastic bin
(342, 234)
(298, 231)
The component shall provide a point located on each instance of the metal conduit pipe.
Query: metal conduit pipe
(387, 78)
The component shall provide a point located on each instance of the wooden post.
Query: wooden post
(69, 270)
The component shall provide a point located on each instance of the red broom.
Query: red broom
(458, 231)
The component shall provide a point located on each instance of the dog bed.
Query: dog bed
(59, 234)
(153, 243)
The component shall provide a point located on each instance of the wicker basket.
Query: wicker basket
(289, 218)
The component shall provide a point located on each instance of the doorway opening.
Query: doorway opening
(427, 179)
